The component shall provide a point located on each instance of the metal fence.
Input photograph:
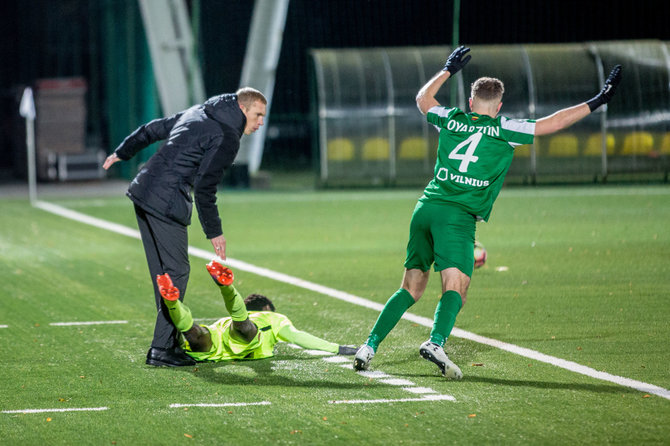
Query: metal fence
(371, 133)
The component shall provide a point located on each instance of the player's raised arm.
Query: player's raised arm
(425, 99)
(568, 116)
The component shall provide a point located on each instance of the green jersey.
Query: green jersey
(272, 328)
(473, 157)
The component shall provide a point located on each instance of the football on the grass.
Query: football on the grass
(480, 255)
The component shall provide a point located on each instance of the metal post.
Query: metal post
(259, 69)
(27, 110)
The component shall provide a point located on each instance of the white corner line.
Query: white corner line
(356, 300)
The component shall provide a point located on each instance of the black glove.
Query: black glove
(608, 89)
(456, 61)
(347, 350)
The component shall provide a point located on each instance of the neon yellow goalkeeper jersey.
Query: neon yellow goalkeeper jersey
(272, 328)
(473, 157)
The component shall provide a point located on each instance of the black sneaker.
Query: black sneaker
(168, 357)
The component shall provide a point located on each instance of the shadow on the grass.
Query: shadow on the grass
(265, 375)
(468, 378)
(581, 387)
(578, 387)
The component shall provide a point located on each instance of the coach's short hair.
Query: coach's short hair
(247, 96)
(257, 302)
(487, 89)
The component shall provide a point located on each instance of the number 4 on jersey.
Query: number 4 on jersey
(468, 157)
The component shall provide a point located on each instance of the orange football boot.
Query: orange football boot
(221, 274)
(166, 288)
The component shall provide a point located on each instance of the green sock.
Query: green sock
(445, 316)
(393, 310)
(180, 315)
(234, 303)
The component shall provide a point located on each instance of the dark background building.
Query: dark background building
(102, 41)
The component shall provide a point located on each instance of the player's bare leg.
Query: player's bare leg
(224, 277)
(414, 283)
(454, 287)
(197, 336)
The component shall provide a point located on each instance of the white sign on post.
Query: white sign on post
(27, 110)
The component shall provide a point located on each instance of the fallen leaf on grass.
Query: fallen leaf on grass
(647, 396)
(478, 364)
(188, 436)
(472, 415)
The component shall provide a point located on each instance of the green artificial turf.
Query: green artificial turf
(578, 273)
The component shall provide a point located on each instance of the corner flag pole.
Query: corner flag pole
(27, 110)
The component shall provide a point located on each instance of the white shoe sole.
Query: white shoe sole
(448, 368)
(362, 363)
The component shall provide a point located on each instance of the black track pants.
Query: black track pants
(166, 248)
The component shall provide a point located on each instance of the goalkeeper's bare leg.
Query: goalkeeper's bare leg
(234, 302)
(198, 337)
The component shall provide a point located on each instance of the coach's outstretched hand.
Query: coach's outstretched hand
(608, 89)
(457, 60)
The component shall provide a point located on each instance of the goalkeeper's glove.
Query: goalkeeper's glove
(608, 89)
(347, 350)
(457, 60)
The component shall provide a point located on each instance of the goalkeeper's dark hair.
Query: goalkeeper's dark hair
(257, 302)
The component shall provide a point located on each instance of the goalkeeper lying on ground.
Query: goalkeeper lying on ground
(251, 331)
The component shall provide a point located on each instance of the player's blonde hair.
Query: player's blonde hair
(247, 96)
(487, 89)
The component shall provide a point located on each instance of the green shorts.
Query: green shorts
(443, 235)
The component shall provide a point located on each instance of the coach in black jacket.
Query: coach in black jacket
(201, 143)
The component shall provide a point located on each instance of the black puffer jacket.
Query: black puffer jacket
(201, 142)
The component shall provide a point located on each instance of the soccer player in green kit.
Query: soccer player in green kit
(474, 153)
(251, 331)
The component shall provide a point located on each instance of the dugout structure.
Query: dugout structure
(368, 130)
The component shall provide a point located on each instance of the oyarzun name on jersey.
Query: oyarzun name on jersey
(443, 175)
(456, 126)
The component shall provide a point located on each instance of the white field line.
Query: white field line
(71, 409)
(399, 400)
(4, 326)
(406, 385)
(69, 324)
(258, 403)
(350, 298)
